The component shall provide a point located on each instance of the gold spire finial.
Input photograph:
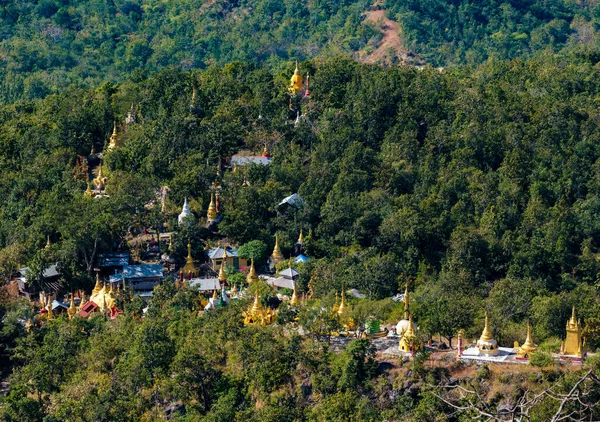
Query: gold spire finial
(256, 305)
(82, 301)
(88, 191)
(72, 310)
(294, 300)
(342, 307)
(98, 286)
(406, 303)
(277, 256)
(486, 335)
(48, 244)
(222, 275)
(301, 237)
(214, 296)
(573, 320)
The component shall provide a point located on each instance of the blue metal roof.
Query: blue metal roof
(138, 271)
(301, 258)
(116, 259)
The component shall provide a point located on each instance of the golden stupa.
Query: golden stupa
(100, 181)
(296, 83)
(72, 309)
(409, 342)
(525, 351)
(486, 343)
(252, 276)
(257, 314)
(104, 299)
(276, 256)
(222, 274)
(189, 266)
(294, 299)
(115, 140)
(211, 215)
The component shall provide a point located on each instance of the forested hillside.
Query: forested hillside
(475, 183)
(48, 45)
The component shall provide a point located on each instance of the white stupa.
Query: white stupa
(186, 213)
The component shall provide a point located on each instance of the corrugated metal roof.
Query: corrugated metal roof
(138, 271)
(218, 253)
(116, 259)
(289, 273)
(244, 160)
(205, 284)
(281, 282)
(51, 271)
(301, 258)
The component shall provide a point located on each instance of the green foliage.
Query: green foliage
(255, 249)
(541, 359)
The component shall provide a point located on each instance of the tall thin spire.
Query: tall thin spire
(486, 335)
(294, 300)
(406, 303)
(211, 215)
(252, 277)
(342, 307)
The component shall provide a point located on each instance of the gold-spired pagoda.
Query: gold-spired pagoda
(486, 343)
(257, 314)
(296, 83)
(222, 274)
(403, 324)
(115, 140)
(72, 309)
(211, 215)
(573, 345)
(294, 299)
(252, 276)
(189, 267)
(525, 351)
(410, 342)
(276, 256)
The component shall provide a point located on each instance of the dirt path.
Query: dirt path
(391, 48)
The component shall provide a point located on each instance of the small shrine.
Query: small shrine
(211, 214)
(410, 342)
(296, 82)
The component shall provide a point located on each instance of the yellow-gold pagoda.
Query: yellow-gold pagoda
(115, 140)
(189, 267)
(410, 342)
(573, 345)
(257, 314)
(252, 276)
(276, 256)
(486, 343)
(525, 351)
(296, 83)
